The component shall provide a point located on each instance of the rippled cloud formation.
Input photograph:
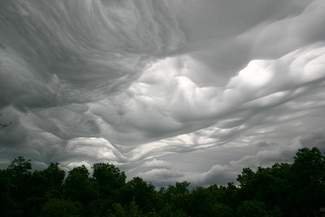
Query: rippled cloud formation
(169, 90)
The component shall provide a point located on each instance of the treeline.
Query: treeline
(283, 190)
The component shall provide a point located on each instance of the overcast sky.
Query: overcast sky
(169, 90)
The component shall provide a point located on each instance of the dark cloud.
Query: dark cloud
(162, 87)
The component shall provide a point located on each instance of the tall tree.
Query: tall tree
(108, 178)
(78, 185)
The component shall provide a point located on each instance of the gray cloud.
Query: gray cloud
(156, 87)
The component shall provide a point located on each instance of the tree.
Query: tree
(246, 177)
(60, 208)
(282, 190)
(118, 211)
(49, 180)
(142, 193)
(130, 210)
(169, 211)
(309, 167)
(20, 166)
(307, 178)
(7, 202)
(19, 181)
(178, 195)
(252, 208)
(221, 210)
(44, 185)
(78, 185)
(108, 178)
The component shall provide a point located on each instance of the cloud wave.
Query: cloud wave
(140, 83)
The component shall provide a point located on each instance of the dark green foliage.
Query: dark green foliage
(252, 209)
(130, 210)
(142, 193)
(20, 167)
(60, 208)
(307, 178)
(78, 186)
(283, 190)
(108, 180)
(221, 210)
(49, 180)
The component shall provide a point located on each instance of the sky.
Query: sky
(168, 90)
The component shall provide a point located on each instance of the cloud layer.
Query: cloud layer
(159, 89)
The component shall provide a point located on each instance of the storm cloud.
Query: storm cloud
(167, 90)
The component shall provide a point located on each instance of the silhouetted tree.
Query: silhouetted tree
(142, 193)
(108, 178)
(282, 190)
(60, 208)
(78, 185)
(252, 208)
(307, 179)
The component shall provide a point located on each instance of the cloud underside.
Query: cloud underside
(159, 89)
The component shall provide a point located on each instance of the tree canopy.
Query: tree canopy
(294, 189)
